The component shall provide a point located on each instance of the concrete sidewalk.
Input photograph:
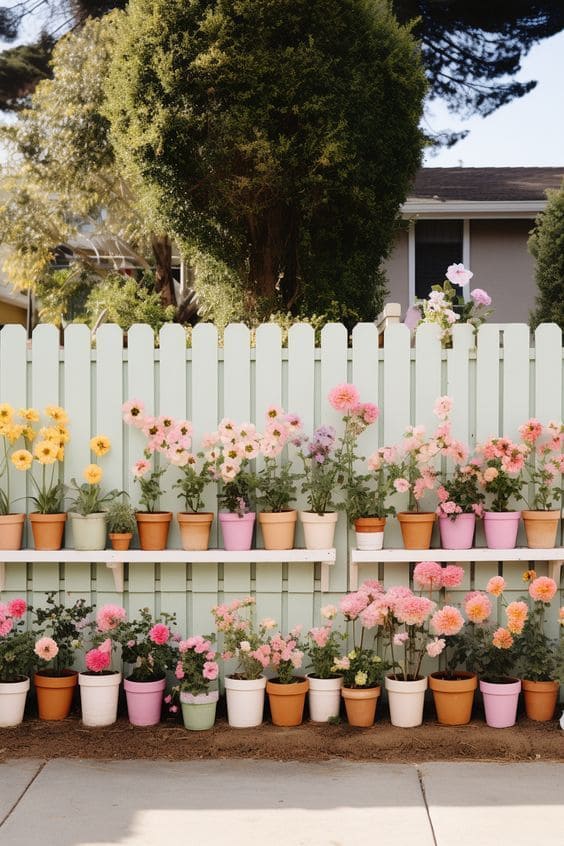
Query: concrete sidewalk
(152, 803)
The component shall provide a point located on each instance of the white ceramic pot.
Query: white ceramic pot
(324, 698)
(89, 531)
(319, 529)
(99, 698)
(405, 700)
(369, 540)
(245, 701)
(12, 702)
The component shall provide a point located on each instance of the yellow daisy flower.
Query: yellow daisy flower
(50, 433)
(29, 433)
(29, 414)
(56, 413)
(100, 445)
(46, 452)
(64, 434)
(6, 412)
(22, 459)
(529, 575)
(13, 432)
(93, 474)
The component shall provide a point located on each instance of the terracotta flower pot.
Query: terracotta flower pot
(278, 529)
(195, 529)
(369, 532)
(360, 704)
(237, 531)
(500, 702)
(453, 697)
(319, 529)
(500, 528)
(457, 533)
(153, 529)
(47, 530)
(11, 530)
(416, 529)
(541, 528)
(12, 701)
(540, 699)
(54, 693)
(120, 540)
(88, 531)
(287, 701)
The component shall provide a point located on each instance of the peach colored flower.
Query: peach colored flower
(133, 412)
(496, 585)
(443, 407)
(477, 607)
(447, 621)
(414, 610)
(329, 611)
(435, 647)
(531, 430)
(46, 648)
(452, 576)
(401, 485)
(543, 589)
(109, 617)
(517, 613)
(490, 473)
(428, 574)
(344, 397)
(502, 639)
(529, 575)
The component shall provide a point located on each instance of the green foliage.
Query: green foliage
(276, 484)
(121, 518)
(503, 488)
(463, 489)
(151, 489)
(192, 484)
(139, 646)
(126, 300)
(49, 493)
(17, 658)
(278, 137)
(473, 649)
(322, 658)
(21, 68)
(546, 245)
(64, 624)
(237, 496)
(366, 669)
(536, 652)
(89, 499)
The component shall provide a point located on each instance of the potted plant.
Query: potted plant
(501, 476)
(58, 632)
(11, 525)
(196, 668)
(537, 653)
(165, 437)
(544, 464)
(195, 523)
(87, 510)
(366, 499)
(275, 482)
(121, 524)
(363, 669)
(229, 451)
(249, 646)
(16, 662)
(320, 469)
(99, 684)
(287, 692)
(452, 688)
(149, 645)
(411, 472)
(406, 632)
(48, 521)
(324, 648)
(364, 509)
(460, 502)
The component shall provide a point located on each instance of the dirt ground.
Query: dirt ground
(527, 741)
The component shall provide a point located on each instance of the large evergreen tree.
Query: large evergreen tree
(546, 244)
(280, 136)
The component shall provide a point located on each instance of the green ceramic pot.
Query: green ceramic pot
(198, 712)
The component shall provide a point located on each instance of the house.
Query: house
(481, 217)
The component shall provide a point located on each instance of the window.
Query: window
(438, 243)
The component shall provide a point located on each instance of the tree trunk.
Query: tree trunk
(273, 266)
(164, 280)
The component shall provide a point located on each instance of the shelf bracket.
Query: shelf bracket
(555, 571)
(2, 576)
(117, 571)
(324, 577)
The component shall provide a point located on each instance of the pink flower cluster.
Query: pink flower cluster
(510, 455)
(229, 448)
(284, 649)
(13, 610)
(99, 659)
(159, 634)
(166, 435)
(429, 575)
(108, 617)
(345, 398)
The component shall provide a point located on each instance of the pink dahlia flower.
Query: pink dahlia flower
(344, 397)
(435, 647)
(159, 634)
(109, 617)
(447, 621)
(414, 610)
(17, 608)
(428, 575)
(478, 607)
(543, 589)
(517, 613)
(452, 576)
(46, 648)
(481, 297)
(496, 585)
(97, 661)
(502, 638)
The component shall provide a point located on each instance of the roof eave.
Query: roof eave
(418, 207)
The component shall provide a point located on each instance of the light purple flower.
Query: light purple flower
(481, 297)
(458, 275)
(412, 317)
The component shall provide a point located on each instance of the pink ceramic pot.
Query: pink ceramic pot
(457, 533)
(144, 701)
(501, 528)
(500, 702)
(237, 531)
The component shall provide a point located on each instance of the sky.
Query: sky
(528, 131)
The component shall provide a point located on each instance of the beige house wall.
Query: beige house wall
(499, 260)
(503, 266)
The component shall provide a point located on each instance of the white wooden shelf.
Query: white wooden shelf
(555, 558)
(115, 560)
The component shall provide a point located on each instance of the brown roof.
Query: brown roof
(476, 184)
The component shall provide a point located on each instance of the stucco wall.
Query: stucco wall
(502, 265)
(12, 314)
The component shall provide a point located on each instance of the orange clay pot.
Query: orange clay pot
(416, 529)
(195, 529)
(153, 529)
(120, 540)
(11, 530)
(453, 697)
(541, 528)
(287, 701)
(47, 530)
(278, 528)
(54, 694)
(540, 699)
(360, 704)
